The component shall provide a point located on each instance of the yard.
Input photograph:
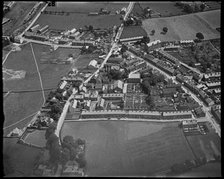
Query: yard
(124, 148)
(78, 16)
(184, 27)
(20, 105)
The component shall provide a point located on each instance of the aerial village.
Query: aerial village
(140, 80)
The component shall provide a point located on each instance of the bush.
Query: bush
(200, 36)
(165, 29)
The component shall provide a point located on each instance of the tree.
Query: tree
(90, 28)
(202, 6)
(65, 155)
(165, 29)
(200, 36)
(153, 32)
(81, 160)
(197, 8)
(51, 129)
(188, 8)
(145, 40)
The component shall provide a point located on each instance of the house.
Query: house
(199, 112)
(118, 86)
(113, 96)
(216, 112)
(190, 124)
(209, 101)
(93, 63)
(101, 104)
(134, 78)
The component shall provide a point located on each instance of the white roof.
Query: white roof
(118, 84)
(93, 63)
(74, 104)
(153, 43)
(134, 75)
(63, 84)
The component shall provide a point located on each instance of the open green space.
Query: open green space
(184, 27)
(125, 148)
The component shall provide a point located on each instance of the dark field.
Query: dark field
(133, 31)
(124, 148)
(20, 105)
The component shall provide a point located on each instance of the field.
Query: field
(133, 31)
(21, 158)
(20, 105)
(16, 14)
(122, 148)
(184, 27)
(165, 8)
(78, 16)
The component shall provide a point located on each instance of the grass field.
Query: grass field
(21, 158)
(122, 148)
(184, 27)
(133, 31)
(89, 6)
(16, 14)
(20, 105)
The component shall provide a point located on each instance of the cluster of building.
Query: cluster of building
(192, 127)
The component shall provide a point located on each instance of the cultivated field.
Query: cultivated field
(184, 27)
(78, 16)
(122, 148)
(20, 105)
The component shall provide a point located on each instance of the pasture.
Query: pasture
(20, 105)
(77, 16)
(184, 27)
(126, 148)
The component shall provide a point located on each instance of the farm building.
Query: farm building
(93, 63)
